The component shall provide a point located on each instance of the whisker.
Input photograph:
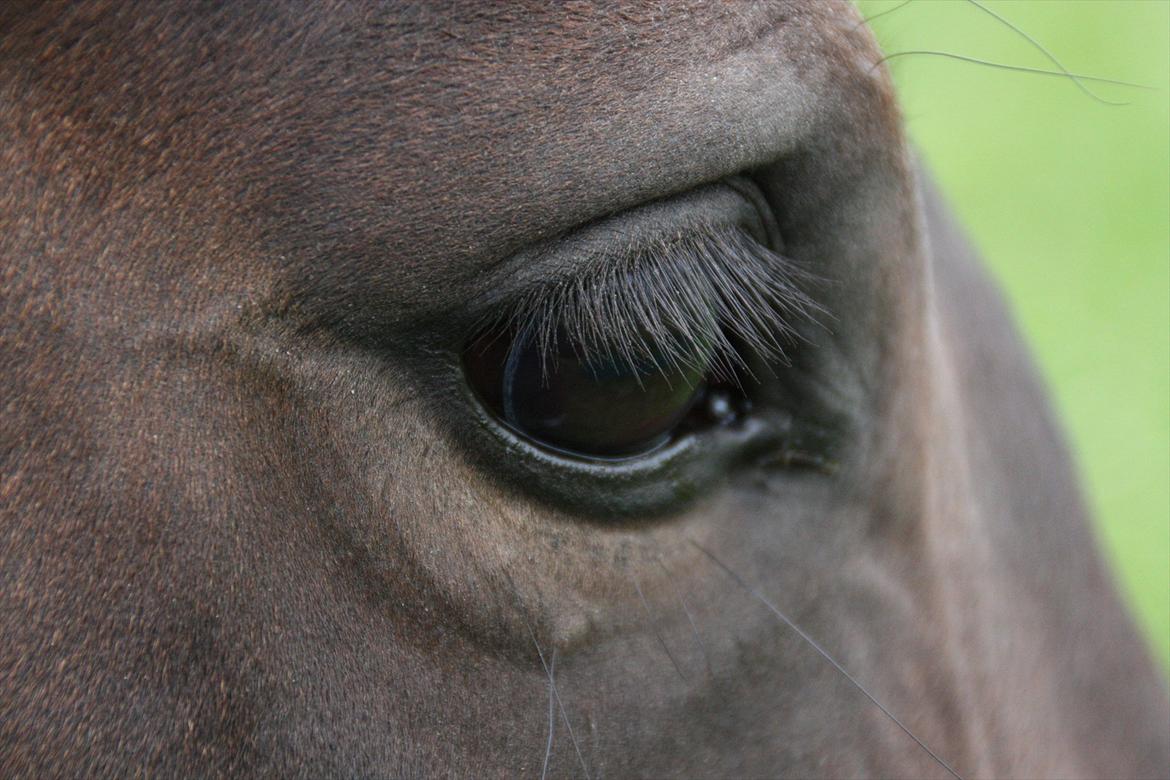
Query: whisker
(1049, 55)
(682, 599)
(754, 593)
(560, 704)
(551, 679)
(880, 14)
(654, 628)
(1017, 68)
(552, 716)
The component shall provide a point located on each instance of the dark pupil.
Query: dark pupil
(586, 402)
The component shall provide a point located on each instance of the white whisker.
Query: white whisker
(654, 628)
(754, 593)
(682, 600)
(552, 713)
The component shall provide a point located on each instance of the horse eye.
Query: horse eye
(590, 403)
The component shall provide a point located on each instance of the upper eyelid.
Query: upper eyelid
(666, 301)
(596, 244)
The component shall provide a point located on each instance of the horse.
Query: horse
(471, 389)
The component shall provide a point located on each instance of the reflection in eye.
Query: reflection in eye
(615, 362)
(596, 404)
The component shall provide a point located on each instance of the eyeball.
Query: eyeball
(594, 403)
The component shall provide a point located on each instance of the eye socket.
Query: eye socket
(636, 351)
(592, 403)
(622, 370)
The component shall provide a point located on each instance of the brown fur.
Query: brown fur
(241, 531)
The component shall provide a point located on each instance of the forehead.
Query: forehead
(435, 139)
(410, 146)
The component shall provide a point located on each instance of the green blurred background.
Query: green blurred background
(1069, 201)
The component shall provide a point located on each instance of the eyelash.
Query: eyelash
(694, 295)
